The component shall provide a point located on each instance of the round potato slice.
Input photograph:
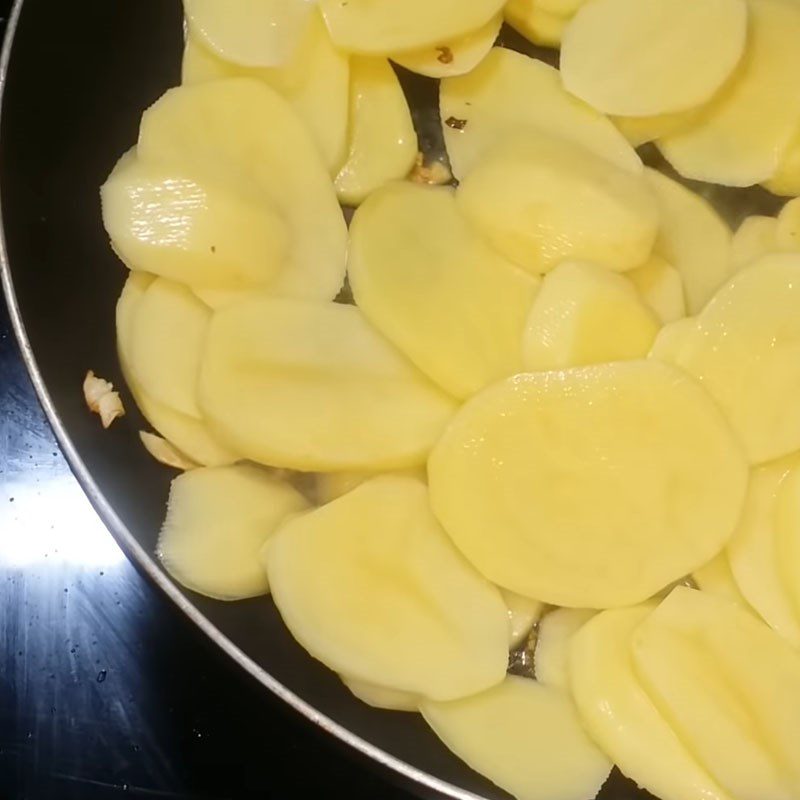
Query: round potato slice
(381, 697)
(574, 486)
(786, 180)
(539, 200)
(551, 657)
(535, 23)
(645, 57)
(313, 387)
(535, 749)
(217, 522)
(507, 92)
(371, 586)
(641, 130)
(661, 287)
(431, 285)
(717, 578)
(757, 236)
(383, 27)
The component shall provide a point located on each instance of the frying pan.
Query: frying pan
(75, 79)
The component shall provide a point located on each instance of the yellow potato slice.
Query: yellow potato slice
(523, 614)
(563, 8)
(717, 577)
(217, 522)
(382, 27)
(551, 658)
(787, 232)
(585, 314)
(644, 57)
(539, 200)
(381, 697)
(524, 737)
(729, 687)
(455, 57)
(330, 486)
(786, 180)
(429, 283)
(693, 238)
(661, 287)
(371, 586)
(255, 33)
(745, 350)
(535, 23)
(244, 135)
(551, 463)
(743, 135)
(313, 387)
(315, 81)
(755, 237)
(641, 130)
(383, 142)
(622, 719)
(787, 523)
(507, 92)
(753, 551)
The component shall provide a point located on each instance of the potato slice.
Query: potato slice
(622, 719)
(717, 578)
(551, 463)
(255, 33)
(745, 350)
(523, 614)
(787, 544)
(259, 148)
(693, 238)
(729, 687)
(585, 314)
(786, 180)
(661, 287)
(507, 92)
(673, 338)
(313, 387)
(383, 142)
(536, 750)
(381, 697)
(217, 522)
(787, 232)
(429, 283)
(551, 658)
(743, 135)
(535, 23)
(382, 27)
(315, 81)
(644, 57)
(330, 486)
(539, 200)
(372, 587)
(755, 237)
(456, 57)
(563, 8)
(641, 130)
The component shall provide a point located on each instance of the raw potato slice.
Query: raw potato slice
(644, 57)
(753, 552)
(381, 697)
(755, 237)
(787, 234)
(217, 522)
(746, 352)
(743, 135)
(787, 523)
(331, 486)
(371, 586)
(315, 81)
(255, 33)
(563, 8)
(786, 180)
(456, 57)
(168, 333)
(429, 283)
(217, 298)
(259, 147)
(535, 749)
(729, 687)
(693, 238)
(313, 387)
(661, 287)
(507, 92)
(673, 338)
(551, 464)
(382, 27)
(383, 142)
(539, 200)
(641, 130)
(535, 23)
(622, 719)
(523, 614)
(717, 578)
(585, 314)
(551, 658)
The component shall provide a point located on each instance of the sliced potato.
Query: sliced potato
(507, 92)
(381, 697)
(787, 543)
(429, 283)
(535, 23)
(523, 614)
(755, 237)
(641, 130)
(372, 587)
(621, 718)
(217, 522)
(535, 749)
(563, 8)
(585, 314)
(539, 200)
(673, 338)
(742, 136)
(786, 180)
(787, 232)
(331, 486)
(693, 238)
(383, 142)
(551, 658)
(313, 387)
(717, 577)
(661, 287)
(551, 463)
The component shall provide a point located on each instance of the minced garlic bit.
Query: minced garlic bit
(165, 452)
(102, 399)
(434, 174)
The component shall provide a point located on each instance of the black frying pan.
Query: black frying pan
(76, 78)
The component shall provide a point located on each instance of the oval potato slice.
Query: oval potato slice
(757, 236)
(786, 180)
(641, 130)
(551, 657)
(717, 578)
(381, 697)
(661, 287)
(535, 23)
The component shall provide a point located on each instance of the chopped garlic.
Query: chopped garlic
(434, 174)
(165, 452)
(102, 399)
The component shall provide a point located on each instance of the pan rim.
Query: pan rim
(136, 553)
